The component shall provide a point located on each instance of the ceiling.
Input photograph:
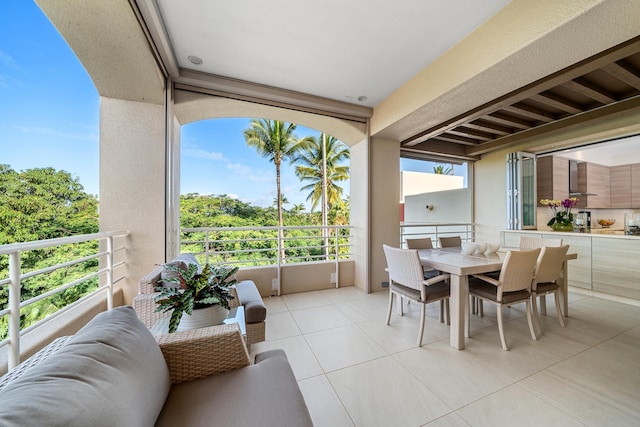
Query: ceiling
(347, 51)
(359, 52)
(599, 86)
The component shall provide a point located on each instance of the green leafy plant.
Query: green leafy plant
(195, 290)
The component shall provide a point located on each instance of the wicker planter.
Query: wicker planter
(203, 317)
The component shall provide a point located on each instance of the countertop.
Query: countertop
(596, 233)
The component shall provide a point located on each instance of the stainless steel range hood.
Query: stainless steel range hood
(574, 186)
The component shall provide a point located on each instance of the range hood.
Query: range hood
(574, 187)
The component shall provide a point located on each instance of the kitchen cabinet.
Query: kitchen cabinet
(635, 185)
(553, 177)
(620, 196)
(594, 182)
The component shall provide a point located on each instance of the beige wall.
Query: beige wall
(132, 182)
(384, 190)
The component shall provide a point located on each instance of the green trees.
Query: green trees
(38, 204)
(274, 140)
(442, 169)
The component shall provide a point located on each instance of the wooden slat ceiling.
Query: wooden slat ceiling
(604, 84)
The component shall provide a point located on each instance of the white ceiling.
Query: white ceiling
(612, 153)
(337, 49)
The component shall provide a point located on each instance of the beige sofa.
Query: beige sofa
(114, 373)
(246, 292)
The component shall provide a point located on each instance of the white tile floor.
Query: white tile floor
(354, 370)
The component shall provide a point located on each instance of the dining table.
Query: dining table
(460, 266)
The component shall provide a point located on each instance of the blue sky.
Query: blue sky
(49, 117)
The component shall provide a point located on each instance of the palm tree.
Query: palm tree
(441, 169)
(275, 141)
(318, 164)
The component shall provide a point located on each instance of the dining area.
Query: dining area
(463, 276)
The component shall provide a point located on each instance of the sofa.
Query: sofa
(246, 293)
(113, 372)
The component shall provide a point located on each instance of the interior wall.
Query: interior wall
(384, 189)
(132, 182)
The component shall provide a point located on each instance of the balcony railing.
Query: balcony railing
(98, 249)
(466, 231)
(264, 246)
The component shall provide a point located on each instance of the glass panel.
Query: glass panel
(528, 168)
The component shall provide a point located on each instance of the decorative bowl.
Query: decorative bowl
(492, 247)
(480, 248)
(606, 223)
(468, 248)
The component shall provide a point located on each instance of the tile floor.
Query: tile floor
(356, 371)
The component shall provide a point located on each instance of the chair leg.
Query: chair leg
(558, 309)
(531, 328)
(534, 308)
(503, 340)
(467, 317)
(543, 304)
(390, 307)
(401, 299)
(423, 315)
(480, 307)
(446, 311)
(441, 311)
(474, 305)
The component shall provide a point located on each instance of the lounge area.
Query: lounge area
(354, 370)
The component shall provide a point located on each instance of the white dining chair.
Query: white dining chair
(512, 287)
(545, 282)
(426, 243)
(537, 242)
(406, 279)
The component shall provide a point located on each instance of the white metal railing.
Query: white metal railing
(465, 230)
(106, 266)
(262, 246)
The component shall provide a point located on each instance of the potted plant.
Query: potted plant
(191, 291)
(562, 219)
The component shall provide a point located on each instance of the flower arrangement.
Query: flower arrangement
(562, 217)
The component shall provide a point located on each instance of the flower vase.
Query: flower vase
(203, 317)
(558, 226)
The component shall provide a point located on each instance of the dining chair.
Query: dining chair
(406, 280)
(545, 282)
(450, 242)
(512, 287)
(426, 243)
(536, 242)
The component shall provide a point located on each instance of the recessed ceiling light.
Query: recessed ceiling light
(195, 59)
(362, 98)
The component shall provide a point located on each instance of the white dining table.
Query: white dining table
(460, 266)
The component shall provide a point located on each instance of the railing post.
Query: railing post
(14, 308)
(335, 236)
(206, 247)
(109, 273)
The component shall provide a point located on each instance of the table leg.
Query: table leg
(457, 306)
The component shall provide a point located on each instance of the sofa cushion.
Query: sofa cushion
(254, 309)
(111, 373)
(182, 261)
(264, 394)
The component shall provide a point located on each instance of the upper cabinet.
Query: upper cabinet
(594, 182)
(552, 177)
(621, 186)
(635, 185)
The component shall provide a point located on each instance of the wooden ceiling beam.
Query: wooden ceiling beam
(457, 139)
(508, 120)
(625, 72)
(531, 112)
(489, 127)
(470, 133)
(581, 68)
(605, 112)
(590, 90)
(558, 102)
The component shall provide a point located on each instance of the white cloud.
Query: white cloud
(7, 61)
(203, 154)
(242, 171)
(54, 132)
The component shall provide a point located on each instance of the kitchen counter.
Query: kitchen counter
(607, 264)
